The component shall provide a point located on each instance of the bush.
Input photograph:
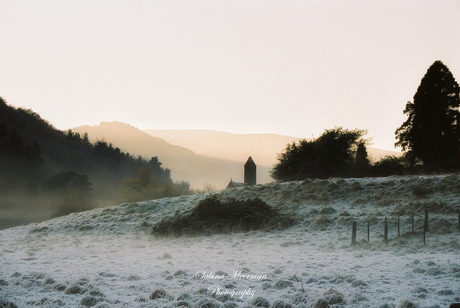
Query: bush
(212, 216)
(389, 165)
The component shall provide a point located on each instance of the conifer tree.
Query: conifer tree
(431, 132)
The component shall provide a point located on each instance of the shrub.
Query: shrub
(214, 216)
(389, 165)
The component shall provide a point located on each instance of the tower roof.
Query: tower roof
(250, 161)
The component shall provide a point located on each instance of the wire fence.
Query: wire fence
(399, 224)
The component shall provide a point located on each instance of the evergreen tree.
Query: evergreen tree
(362, 163)
(431, 133)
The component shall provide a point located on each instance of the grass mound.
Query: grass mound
(213, 216)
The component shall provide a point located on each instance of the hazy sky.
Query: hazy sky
(288, 67)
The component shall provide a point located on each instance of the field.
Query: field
(109, 258)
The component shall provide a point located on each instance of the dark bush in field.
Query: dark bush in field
(212, 216)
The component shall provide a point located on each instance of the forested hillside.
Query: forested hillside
(46, 172)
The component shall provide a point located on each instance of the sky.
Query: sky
(293, 68)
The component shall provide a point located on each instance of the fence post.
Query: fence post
(413, 222)
(385, 230)
(353, 233)
(426, 221)
(368, 229)
(399, 228)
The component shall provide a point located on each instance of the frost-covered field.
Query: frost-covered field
(108, 258)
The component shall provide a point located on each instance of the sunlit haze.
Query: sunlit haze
(288, 67)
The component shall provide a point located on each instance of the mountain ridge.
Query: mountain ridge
(263, 146)
(185, 164)
(201, 157)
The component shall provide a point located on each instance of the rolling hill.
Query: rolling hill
(108, 257)
(262, 147)
(200, 157)
(185, 164)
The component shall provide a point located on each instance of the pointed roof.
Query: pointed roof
(250, 161)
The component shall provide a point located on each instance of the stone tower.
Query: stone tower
(250, 172)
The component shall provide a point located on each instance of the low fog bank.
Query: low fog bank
(20, 210)
(324, 204)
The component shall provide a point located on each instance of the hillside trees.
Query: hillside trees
(146, 186)
(72, 192)
(142, 188)
(20, 162)
(334, 153)
(431, 132)
(34, 155)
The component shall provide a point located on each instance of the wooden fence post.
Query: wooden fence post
(368, 229)
(353, 233)
(385, 230)
(426, 221)
(399, 228)
(413, 222)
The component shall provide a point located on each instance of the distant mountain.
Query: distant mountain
(132, 140)
(262, 147)
(199, 157)
(185, 164)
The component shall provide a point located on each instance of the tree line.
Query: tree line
(45, 169)
(429, 138)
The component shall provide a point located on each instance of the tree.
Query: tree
(334, 153)
(431, 132)
(142, 188)
(337, 151)
(362, 163)
(72, 190)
